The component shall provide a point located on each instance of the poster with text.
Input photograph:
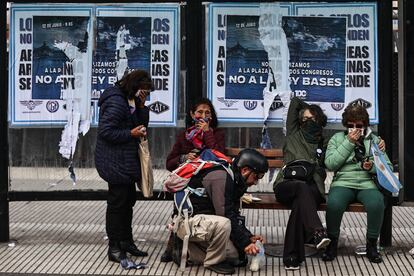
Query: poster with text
(361, 77)
(139, 37)
(260, 55)
(82, 49)
(50, 52)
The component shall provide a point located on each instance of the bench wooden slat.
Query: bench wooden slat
(268, 153)
(275, 163)
(268, 201)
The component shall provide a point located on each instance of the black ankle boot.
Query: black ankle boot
(331, 251)
(115, 253)
(372, 251)
(131, 248)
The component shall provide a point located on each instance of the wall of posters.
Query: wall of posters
(261, 54)
(108, 41)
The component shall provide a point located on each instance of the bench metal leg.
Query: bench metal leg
(386, 229)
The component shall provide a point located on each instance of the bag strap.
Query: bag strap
(185, 241)
(185, 209)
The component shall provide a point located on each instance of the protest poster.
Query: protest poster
(60, 49)
(259, 55)
(139, 37)
(50, 53)
(361, 83)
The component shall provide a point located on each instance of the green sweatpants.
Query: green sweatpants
(340, 197)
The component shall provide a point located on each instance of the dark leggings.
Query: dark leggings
(340, 197)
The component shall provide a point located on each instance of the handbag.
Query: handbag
(147, 178)
(299, 170)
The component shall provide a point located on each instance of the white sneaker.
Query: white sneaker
(323, 243)
(292, 267)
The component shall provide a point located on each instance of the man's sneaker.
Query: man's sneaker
(292, 264)
(320, 238)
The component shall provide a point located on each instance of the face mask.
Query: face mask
(311, 127)
(201, 119)
(312, 131)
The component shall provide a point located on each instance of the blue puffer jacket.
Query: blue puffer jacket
(116, 153)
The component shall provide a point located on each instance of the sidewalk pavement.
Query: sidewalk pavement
(68, 238)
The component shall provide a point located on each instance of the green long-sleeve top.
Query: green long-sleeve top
(296, 147)
(348, 172)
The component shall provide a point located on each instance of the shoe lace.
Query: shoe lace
(318, 235)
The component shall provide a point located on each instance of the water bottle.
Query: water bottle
(259, 259)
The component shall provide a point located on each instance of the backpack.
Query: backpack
(177, 183)
(178, 179)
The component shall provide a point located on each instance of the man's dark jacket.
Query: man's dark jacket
(116, 153)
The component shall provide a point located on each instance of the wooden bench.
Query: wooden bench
(268, 199)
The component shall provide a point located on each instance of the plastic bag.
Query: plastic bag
(258, 260)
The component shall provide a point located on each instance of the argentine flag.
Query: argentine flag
(385, 176)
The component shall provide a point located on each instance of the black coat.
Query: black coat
(116, 153)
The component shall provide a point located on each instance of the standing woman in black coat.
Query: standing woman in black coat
(123, 119)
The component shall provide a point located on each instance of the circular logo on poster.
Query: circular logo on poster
(52, 106)
(250, 105)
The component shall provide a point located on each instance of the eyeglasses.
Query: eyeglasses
(258, 175)
(354, 125)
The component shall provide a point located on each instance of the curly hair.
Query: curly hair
(133, 81)
(320, 117)
(189, 119)
(355, 113)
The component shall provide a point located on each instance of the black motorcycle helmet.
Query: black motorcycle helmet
(253, 159)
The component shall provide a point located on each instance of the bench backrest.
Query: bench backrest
(274, 156)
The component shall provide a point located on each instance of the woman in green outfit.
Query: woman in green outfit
(348, 155)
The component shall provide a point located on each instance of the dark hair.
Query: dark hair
(355, 113)
(189, 119)
(315, 110)
(133, 81)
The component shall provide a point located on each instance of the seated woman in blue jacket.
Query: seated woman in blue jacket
(348, 155)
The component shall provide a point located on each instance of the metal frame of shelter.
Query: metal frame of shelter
(194, 54)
